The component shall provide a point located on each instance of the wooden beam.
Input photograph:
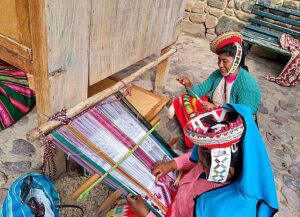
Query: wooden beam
(50, 125)
(162, 72)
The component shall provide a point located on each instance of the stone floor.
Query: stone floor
(279, 118)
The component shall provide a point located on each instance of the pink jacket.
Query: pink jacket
(190, 186)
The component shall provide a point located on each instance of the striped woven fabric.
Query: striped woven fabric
(16, 99)
(101, 136)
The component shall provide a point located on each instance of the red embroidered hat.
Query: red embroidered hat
(225, 39)
(218, 128)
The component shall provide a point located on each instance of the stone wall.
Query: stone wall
(207, 18)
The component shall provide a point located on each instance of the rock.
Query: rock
(220, 4)
(229, 12)
(22, 147)
(216, 12)
(3, 178)
(193, 28)
(291, 196)
(21, 166)
(198, 8)
(210, 36)
(276, 109)
(3, 192)
(237, 4)
(1, 152)
(282, 119)
(290, 4)
(186, 16)
(23, 121)
(294, 169)
(230, 4)
(197, 18)
(282, 104)
(226, 24)
(172, 126)
(279, 153)
(291, 183)
(243, 16)
(210, 31)
(286, 149)
(263, 109)
(276, 122)
(296, 118)
(246, 6)
(211, 21)
(189, 5)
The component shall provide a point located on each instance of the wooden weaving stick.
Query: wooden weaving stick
(109, 201)
(50, 125)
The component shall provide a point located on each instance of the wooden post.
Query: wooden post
(162, 72)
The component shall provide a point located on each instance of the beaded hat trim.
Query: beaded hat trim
(218, 128)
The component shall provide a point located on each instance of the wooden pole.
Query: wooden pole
(162, 72)
(109, 201)
(84, 186)
(50, 125)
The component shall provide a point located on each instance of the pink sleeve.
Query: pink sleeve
(151, 214)
(183, 162)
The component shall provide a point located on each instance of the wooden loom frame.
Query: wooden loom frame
(163, 63)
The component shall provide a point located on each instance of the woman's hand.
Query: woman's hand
(185, 81)
(207, 106)
(138, 205)
(161, 168)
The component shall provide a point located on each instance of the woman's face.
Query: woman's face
(225, 62)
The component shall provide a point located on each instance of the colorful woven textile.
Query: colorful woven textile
(101, 136)
(16, 99)
(291, 73)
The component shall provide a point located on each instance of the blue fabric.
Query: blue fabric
(13, 207)
(254, 193)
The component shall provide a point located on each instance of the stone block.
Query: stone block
(230, 4)
(216, 12)
(220, 4)
(247, 5)
(193, 28)
(199, 8)
(211, 21)
(186, 15)
(197, 18)
(237, 4)
(21, 166)
(22, 147)
(243, 16)
(210, 36)
(291, 4)
(189, 5)
(229, 12)
(211, 31)
(228, 24)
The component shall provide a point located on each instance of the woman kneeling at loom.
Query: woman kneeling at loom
(228, 170)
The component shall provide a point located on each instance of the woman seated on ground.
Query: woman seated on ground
(16, 99)
(229, 173)
(231, 83)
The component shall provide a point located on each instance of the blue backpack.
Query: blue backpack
(31, 195)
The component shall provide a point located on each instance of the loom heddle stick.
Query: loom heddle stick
(50, 125)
